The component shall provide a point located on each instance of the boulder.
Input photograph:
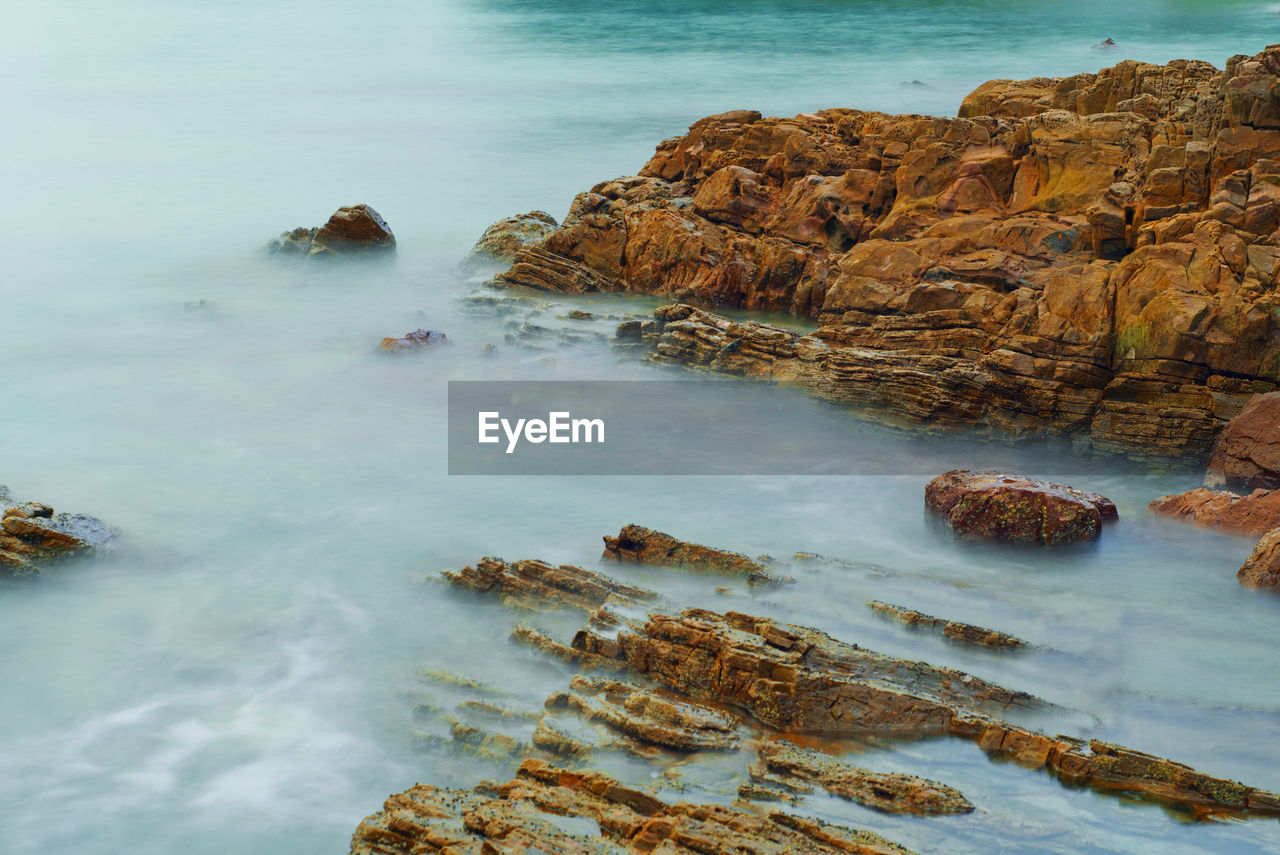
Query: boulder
(352, 230)
(1262, 568)
(1253, 514)
(1001, 506)
(502, 240)
(1246, 455)
(31, 533)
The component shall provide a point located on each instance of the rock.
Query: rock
(963, 632)
(416, 340)
(1262, 568)
(669, 722)
(1000, 506)
(544, 643)
(1090, 257)
(641, 545)
(502, 240)
(31, 534)
(1252, 514)
(533, 584)
(887, 791)
(1246, 455)
(351, 230)
(528, 815)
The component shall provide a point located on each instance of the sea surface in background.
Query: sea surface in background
(239, 675)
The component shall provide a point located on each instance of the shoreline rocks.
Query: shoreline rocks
(1246, 455)
(352, 230)
(1254, 514)
(416, 340)
(1089, 257)
(640, 545)
(1262, 568)
(966, 633)
(32, 534)
(1001, 506)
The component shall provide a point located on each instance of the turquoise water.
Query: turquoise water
(239, 676)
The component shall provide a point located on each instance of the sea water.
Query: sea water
(240, 674)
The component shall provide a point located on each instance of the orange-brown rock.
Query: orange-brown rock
(353, 229)
(1247, 453)
(31, 534)
(416, 340)
(1000, 506)
(954, 630)
(1262, 568)
(1092, 256)
(641, 545)
(669, 722)
(1252, 514)
(532, 584)
(526, 815)
(502, 240)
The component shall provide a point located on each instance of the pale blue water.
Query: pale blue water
(239, 676)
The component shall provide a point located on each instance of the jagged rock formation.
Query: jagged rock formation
(1092, 256)
(641, 714)
(1262, 568)
(524, 815)
(1247, 453)
(954, 630)
(32, 534)
(351, 230)
(1000, 506)
(532, 584)
(783, 764)
(1253, 514)
(642, 545)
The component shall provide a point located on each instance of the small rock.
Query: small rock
(1262, 568)
(416, 340)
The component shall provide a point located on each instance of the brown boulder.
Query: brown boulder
(31, 533)
(1000, 506)
(502, 240)
(353, 229)
(1252, 514)
(1262, 568)
(1246, 455)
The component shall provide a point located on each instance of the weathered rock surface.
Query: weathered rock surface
(1093, 256)
(32, 534)
(353, 229)
(954, 630)
(641, 545)
(1001, 506)
(1252, 514)
(1262, 568)
(502, 240)
(1247, 453)
(669, 722)
(416, 340)
(532, 584)
(526, 815)
(780, 761)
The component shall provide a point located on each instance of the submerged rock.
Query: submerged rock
(534, 813)
(416, 340)
(1001, 506)
(32, 534)
(1090, 256)
(351, 230)
(1252, 514)
(963, 632)
(641, 545)
(533, 584)
(1262, 568)
(668, 722)
(1246, 455)
(502, 240)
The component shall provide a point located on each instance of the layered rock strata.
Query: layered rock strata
(1253, 514)
(1247, 453)
(641, 545)
(1092, 256)
(966, 633)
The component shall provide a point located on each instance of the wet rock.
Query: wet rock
(963, 632)
(1089, 256)
(534, 813)
(1246, 455)
(502, 240)
(1001, 506)
(1262, 568)
(416, 340)
(544, 643)
(532, 584)
(354, 229)
(641, 545)
(31, 534)
(886, 791)
(1252, 514)
(644, 715)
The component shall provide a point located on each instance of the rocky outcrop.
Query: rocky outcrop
(416, 340)
(526, 815)
(502, 240)
(1092, 256)
(668, 722)
(532, 584)
(780, 762)
(1252, 514)
(641, 545)
(1262, 568)
(354, 229)
(1000, 506)
(31, 534)
(953, 630)
(1247, 453)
